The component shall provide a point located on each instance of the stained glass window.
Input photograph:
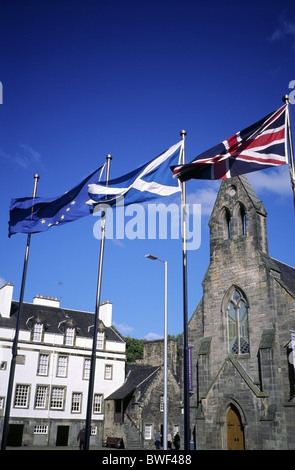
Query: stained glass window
(238, 331)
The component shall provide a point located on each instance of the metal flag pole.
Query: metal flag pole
(96, 323)
(165, 414)
(165, 428)
(15, 340)
(286, 99)
(186, 404)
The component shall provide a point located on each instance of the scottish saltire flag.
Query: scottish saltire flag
(28, 215)
(151, 180)
(259, 146)
(154, 179)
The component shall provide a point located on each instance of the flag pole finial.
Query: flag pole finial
(286, 99)
(183, 134)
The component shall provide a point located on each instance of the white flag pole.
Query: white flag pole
(96, 323)
(16, 335)
(286, 99)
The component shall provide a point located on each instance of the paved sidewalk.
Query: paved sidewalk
(75, 448)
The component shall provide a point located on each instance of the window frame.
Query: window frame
(236, 324)
(100, 340)
(62, 400)
(42, 365)
(162, 406)
(97, 403)
(70, 336)
(80, 401)
(27, 396)
(45, 398)
(62, 369)
(37, 336)
(148, 432)
(109, 375)
(40, 429)
(86, 368)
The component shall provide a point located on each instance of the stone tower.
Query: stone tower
(240, 332)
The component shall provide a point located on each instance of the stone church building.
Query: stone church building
(244, 396)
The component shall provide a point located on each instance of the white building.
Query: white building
(50, 390)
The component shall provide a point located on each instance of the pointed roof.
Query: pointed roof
(251, 193)
(287, 276)
(245, 184)
(231, 359)
(138, 377)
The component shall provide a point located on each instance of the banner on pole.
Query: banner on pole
(293, 346)
(190, 369)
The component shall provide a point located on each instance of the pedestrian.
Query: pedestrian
(81, 438)
(158, 440)
(176, 441)
(169, 439)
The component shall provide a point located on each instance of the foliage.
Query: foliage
(134, 348)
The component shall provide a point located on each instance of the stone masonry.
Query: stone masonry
(240, 363)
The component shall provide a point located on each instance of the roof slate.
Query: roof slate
(287, 275)
(138, 377)
(54, 317)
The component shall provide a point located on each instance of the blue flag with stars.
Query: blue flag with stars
(33, 215)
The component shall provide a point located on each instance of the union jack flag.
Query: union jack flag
(259, 146)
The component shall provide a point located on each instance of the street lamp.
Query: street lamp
(155, 258)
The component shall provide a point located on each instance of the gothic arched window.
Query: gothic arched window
(225, 219)
(237, 318)
(243, 219)
(240, 212)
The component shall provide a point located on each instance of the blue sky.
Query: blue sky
(85, 78)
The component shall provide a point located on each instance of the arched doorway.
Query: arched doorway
(234, 428)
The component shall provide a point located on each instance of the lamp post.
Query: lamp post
(165, 420)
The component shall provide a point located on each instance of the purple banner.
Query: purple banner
(190, 369)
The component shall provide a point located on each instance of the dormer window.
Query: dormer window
(69, 338)
(68, 329)
(100, 340)
(37, 332)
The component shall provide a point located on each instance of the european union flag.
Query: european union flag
(33, 215)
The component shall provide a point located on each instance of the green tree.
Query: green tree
(134, 348)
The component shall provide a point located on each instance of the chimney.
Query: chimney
(105, 313)
(6, 293)
(47, 301)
